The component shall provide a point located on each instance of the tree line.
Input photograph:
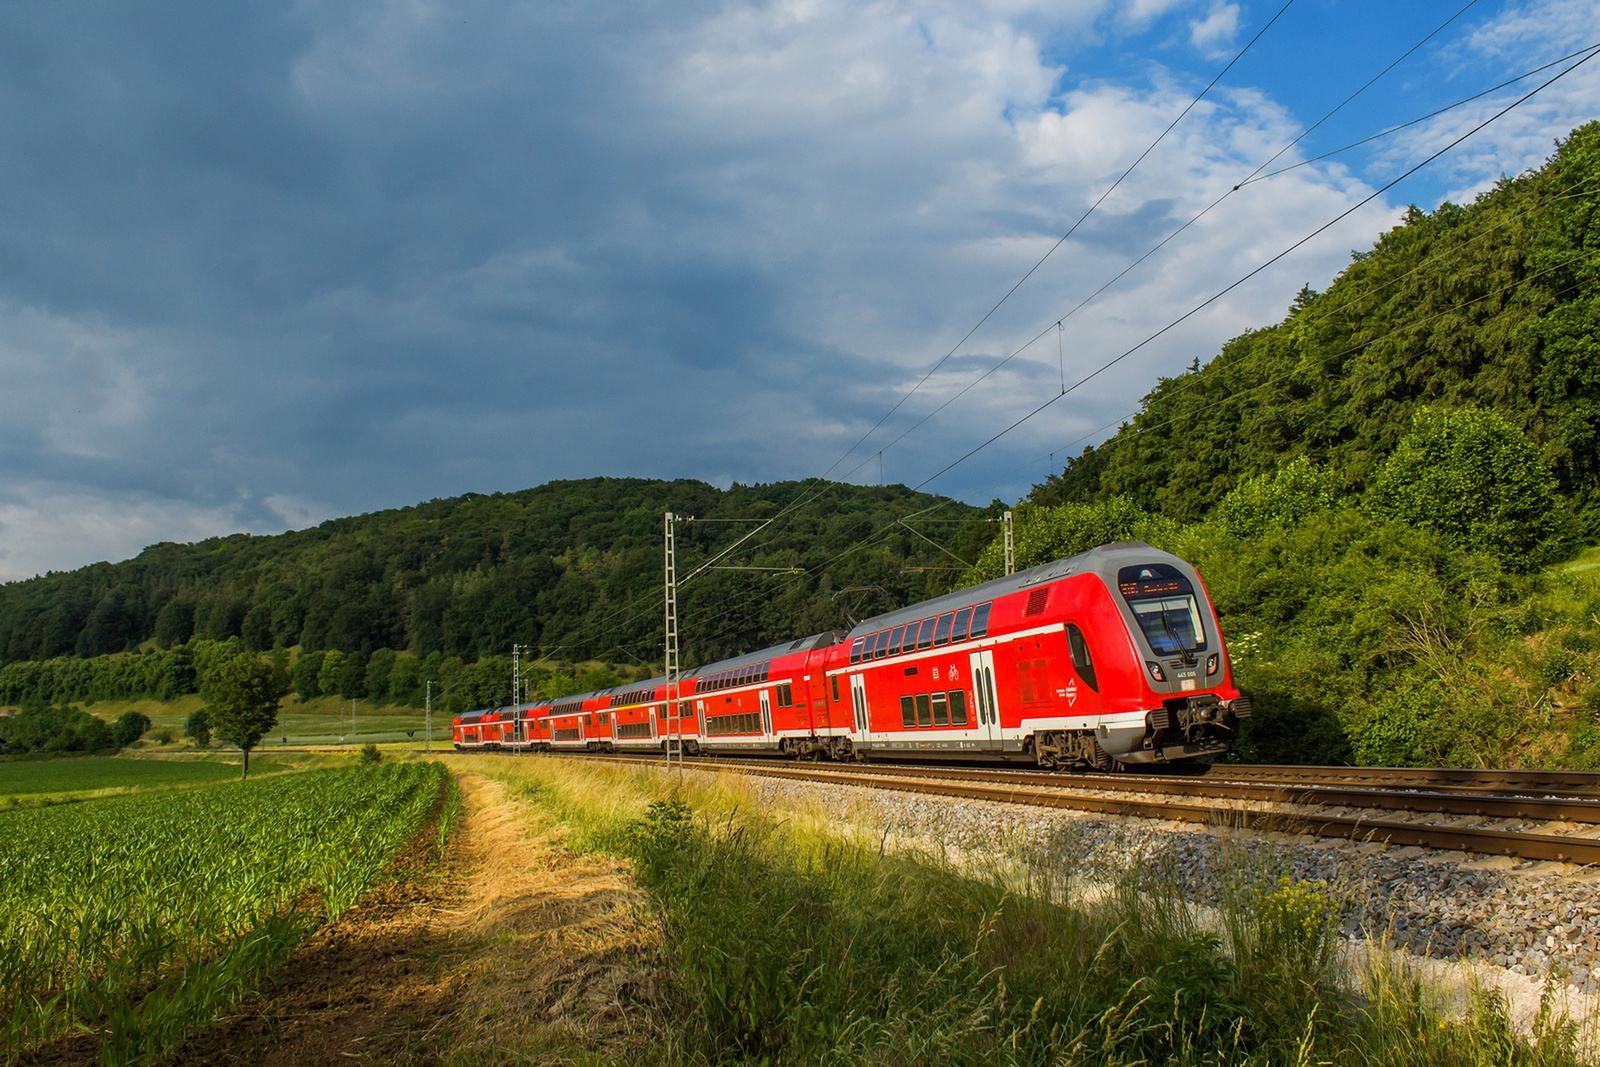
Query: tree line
(571, 569)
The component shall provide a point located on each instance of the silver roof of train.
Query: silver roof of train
(1103, 560)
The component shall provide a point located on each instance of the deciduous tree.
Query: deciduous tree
(242, 702)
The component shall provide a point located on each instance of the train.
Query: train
(1109, 658)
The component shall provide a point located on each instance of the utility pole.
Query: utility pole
(1011, 556)
(354, 734)
(427, 745)
(516, 698)
(516, 675)
(674, 719)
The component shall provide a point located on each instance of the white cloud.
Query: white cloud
(1215, 33)
(545, 241)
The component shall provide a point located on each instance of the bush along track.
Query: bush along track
(791, 943)
(127, 923)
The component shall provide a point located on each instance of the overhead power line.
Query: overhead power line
(1257, 270)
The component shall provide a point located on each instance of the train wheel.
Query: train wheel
(1100, 759)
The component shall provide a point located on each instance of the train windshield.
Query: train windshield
(1164, 604)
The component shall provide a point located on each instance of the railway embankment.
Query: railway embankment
(1537, 919)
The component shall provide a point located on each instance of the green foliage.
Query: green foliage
(242, 702)
(1042, 534)
(197, 727)
(369, 755)
(140, 918)
(120, 676)
(1275, 501)
(1471, 475)
(129, 727)
(39, 728)
(571, 568)
(307, 676)
(1493, 305)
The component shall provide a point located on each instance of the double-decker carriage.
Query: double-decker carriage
(1113, 656)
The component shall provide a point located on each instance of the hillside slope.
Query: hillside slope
(1386, 491)
(572, 568)
(1495, 304)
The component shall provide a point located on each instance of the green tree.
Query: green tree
(197, 727)
(328, 676)
(1276, 501)
(1474, 477)
(242, 702)
(129, 727)
(305, 674)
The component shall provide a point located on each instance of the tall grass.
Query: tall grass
(791, 943)
(137, 918)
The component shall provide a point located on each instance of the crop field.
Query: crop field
(35, 779)
(137, 918)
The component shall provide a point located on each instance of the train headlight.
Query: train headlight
(1212, 663)
(1156, 672)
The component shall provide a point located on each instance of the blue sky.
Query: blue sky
(264, 265)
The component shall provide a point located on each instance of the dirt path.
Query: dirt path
(513, 949)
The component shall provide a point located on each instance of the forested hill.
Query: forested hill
(1495, 304)
(571, 568)
(1393, 494)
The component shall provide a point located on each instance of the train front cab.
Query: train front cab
(1110, 656)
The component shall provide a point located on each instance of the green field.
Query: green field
(36, 779)
(137, 918)
(320, 721)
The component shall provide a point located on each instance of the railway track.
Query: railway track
(1298, 801)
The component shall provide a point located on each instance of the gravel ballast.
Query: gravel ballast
(1533, 918)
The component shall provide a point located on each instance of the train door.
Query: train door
(858, 700)
(983, 691)
(766, 713)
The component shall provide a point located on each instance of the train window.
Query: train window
(958, 707)
(941, 710)
(980, 620)
(836, 689)
(924, 710)
(766, 669)
(883, 645)
(958, 633)
(855, 650)
(894, 640)
(1081, 660)
(925, 636)
(941, 636)
(908, 712)
(785, 695)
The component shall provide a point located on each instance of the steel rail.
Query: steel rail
(1485, 805)
(1482, 840)
(1454, 838)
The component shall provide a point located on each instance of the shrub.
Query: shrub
(129, 727)
(1473, 476)
(198, 727)
(369, 754)
(48, 729)
(1276, 501)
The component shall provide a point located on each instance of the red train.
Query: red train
(1110, 657)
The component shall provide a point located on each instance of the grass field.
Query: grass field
(39, 781)
(133, 920)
